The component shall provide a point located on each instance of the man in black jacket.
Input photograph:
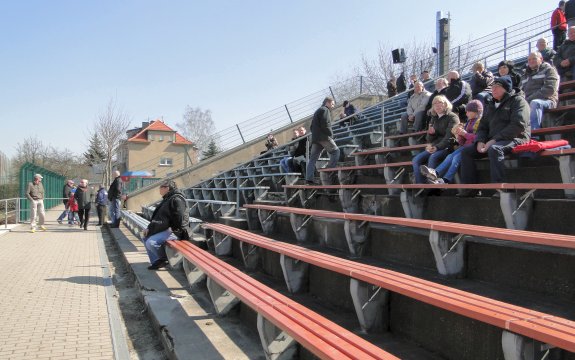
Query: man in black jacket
(505, 125)
(65, 195)
(458, 93)
(321, 138)
(114, 195)
(169, 222)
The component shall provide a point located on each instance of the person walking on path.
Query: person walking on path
(35, 194)
(101, 203)
(114, 196)
(321, 138)
(169, 222)
(65, 195)
(84, 196)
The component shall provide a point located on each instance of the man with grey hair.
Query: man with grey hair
(115, 198)
(415, 111)
(540, 83)
(564, 60)
(547, 53)
(35, 194)
(169, 222)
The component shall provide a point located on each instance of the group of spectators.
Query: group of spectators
(485, 117)
(77, 200)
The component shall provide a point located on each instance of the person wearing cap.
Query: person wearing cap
(115, 198)
(505, 124)
(465, 135)
(169, 222)
(35, 194)
(65, 195)
(540, 83)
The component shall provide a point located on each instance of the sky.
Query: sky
(62, 61)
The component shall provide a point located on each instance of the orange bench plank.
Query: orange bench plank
(537, 325)
(319, 335)
(530, 237)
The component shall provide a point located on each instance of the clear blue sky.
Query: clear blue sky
(63, 60)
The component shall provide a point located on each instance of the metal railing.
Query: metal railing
(512, 42)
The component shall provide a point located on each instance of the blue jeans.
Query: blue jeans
(316, 149)
(284, 163)
(429, 159)
(448, 167)
(114, 211)
(64, 214)
(537, 106)
(156, 245)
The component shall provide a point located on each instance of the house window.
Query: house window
(166, 162)
(160, 137)
(150, 137)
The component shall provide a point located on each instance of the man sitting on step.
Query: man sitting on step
(540, 83)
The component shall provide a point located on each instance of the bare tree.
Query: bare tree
(111, 125)
(32, 150)
(198, 126)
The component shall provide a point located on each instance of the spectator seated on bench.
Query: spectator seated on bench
(480, 82)
(439, 137)
(296, 152)
(507, 67)
(458, 93)
(565, 58)
(445, 172)
(540, 83)
(348, 110)
(415, 111)
(504, 126)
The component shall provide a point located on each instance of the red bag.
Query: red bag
(536, 146)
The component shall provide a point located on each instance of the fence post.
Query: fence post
(240, 133)
(289, 115)
(382, 126)
(505, 44)
(332, 95)
(17, 210)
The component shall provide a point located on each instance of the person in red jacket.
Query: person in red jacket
(558, 25)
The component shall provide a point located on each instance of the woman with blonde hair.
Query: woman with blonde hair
(440, 139)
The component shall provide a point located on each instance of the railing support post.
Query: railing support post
(505, 44)
(332, 95)
(289, 115)
(240, 133)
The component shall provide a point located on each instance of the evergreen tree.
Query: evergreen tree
(95, 153)
(212, 150)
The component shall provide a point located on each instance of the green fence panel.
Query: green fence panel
(53, 184)
(138, 183)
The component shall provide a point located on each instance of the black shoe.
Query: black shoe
(468, 193)
(158, 264)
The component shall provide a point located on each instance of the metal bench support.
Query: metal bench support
(222, 244)
(412, 205)
(222, 299)
(448, 251)
(276, 343)
(370, 303)
(295, 273)
(301, 226)
(516, 209)
(356, 234)
(194, 275)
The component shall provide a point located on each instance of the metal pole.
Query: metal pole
(6, 214)
(382, 126)
(240, 133)
(332, 95)
(459, 58)
(237, 196)
(17, 210)
(289, 115)
(361, 84)
(505, 44)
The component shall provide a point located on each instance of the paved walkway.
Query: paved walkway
(52, 295)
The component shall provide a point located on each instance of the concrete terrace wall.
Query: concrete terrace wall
(229, 159)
